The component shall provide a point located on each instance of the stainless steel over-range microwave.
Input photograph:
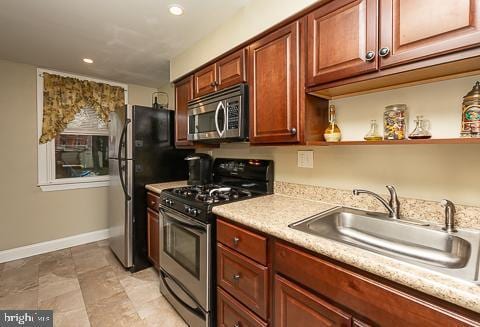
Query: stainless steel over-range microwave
(221, 116)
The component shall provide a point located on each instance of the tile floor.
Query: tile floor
(86, 286)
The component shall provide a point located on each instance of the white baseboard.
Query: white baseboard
(54, 245)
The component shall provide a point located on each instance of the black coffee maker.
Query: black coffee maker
(199, 169)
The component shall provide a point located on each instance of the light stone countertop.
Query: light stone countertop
(159, 187)
(273, 213)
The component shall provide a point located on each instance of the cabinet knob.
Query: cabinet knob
(237, 324)
(212, 84)
(293, 131)
(369, 56)
(236, 277)
(236, 240)
(383, 52)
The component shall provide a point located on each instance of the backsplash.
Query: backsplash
(429, 211)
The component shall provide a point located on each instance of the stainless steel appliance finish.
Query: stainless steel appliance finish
(221, 116)
(187, 234)
(393, 205)
(141, 151)
(120, 205)
(423, 245)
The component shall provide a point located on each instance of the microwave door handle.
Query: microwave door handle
(219, 106)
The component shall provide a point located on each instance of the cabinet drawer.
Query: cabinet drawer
(250, 244)
(245, 279)
(232, 313)
(153, 201)
(378, 302)
(295, 306)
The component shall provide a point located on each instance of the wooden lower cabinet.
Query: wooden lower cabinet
(245, 279)
(153, 231)
(232, 313)
(296, 287)
(295, 306)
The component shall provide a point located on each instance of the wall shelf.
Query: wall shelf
(400, 142)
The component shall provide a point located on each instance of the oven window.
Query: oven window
(183, 246)
(206, 122)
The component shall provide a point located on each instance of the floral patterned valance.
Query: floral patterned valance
(63, 97)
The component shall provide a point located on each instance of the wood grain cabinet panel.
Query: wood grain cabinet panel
(153, 201)
(419, 29)
(342, 40)
(183, 94)
(245, 279)
(295, 306)
(247, 243)
(273, 63)
(205, 81)
(153, 231)
(232, 313)
(382, 304)
(231, 70)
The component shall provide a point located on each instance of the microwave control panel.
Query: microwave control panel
(233, 108)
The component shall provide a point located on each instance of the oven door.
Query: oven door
(185, 253)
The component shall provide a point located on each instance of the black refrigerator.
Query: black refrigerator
(141, 151)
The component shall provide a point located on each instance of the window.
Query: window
(77, 157)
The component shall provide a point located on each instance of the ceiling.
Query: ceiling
(129, 41)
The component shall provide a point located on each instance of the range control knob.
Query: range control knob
(187, 209)
(193, 212)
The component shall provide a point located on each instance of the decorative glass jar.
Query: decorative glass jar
(471, 113)
(395, 121)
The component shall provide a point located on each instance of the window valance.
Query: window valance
(63, 97)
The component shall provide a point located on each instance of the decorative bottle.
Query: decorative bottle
(332, 132)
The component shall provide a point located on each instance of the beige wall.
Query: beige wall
(430, 172)
(28, 215)
(255, 17)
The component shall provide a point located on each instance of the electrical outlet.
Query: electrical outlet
(305, 159)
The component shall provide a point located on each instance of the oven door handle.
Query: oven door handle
(181, 221)
(197, 310)
(220, 106)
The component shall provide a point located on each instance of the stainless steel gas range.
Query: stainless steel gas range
(187, 234)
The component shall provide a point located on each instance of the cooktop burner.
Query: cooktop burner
(210, 193)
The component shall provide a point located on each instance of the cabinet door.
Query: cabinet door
(294, 306)
(183, 94)
(232, 313)
(342, 40)
(417, 29)
(231, 70)
(205, 81)
(274, 68)
(153, 237)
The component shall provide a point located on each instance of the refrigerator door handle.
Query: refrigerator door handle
(120, 160)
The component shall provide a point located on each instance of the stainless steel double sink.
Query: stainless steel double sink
(455, 254)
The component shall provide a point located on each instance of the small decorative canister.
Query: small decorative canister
(471, 113)
(395, 122)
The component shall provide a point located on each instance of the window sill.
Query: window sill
(72, 186)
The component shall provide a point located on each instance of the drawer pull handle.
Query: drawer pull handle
(236, 240)
(236, 277)
(237, 324)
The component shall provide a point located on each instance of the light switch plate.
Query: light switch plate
(305, 159)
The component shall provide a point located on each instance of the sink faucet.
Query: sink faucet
(393, 205)
(449, 215)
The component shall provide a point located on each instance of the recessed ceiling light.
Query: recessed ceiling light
(88, 60)
(176, 10)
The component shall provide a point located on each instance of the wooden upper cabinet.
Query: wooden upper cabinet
(342, 40)
(231, 70)
(418, 29)
(274, 84)
(183, 94)
(205, 81)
